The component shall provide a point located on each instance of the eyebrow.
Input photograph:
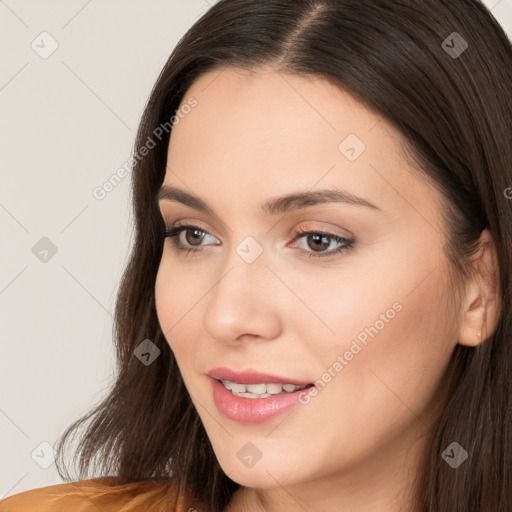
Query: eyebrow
(280, 205)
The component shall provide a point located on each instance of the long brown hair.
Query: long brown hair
(453, 106)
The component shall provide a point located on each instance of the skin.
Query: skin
(356, 446)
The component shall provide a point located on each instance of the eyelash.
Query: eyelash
(175, 230)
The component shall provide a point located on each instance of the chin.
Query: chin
(263, 474)
(258, 478)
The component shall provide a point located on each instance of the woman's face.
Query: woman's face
(371, 324)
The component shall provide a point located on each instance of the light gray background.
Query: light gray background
(67, 123)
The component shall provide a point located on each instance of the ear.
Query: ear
(482, 303)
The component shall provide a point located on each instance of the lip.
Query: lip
(252, 377)
(252, 410)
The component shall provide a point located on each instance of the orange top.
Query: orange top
(101, 495)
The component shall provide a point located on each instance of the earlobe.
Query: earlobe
(473, 330)
(482, 308)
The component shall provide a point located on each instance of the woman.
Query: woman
(316, 314)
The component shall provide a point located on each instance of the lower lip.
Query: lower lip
(252, 410)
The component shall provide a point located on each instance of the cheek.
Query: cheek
(163, 299)
(395, 347)
(177, 290)
(178, 295)
(172, 299)
(382, 337)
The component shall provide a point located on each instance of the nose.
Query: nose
(244, 303)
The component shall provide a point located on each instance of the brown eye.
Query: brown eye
(314, 241)
(319, 241)
(196, 237)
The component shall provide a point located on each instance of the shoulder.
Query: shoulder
(55, 497)
(97, 494)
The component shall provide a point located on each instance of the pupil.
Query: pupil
(318, 236)
(197, 236)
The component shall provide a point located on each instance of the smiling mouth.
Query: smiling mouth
(261, 390)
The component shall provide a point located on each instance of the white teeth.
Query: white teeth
(251, 395)
(234, 386)
(259, 390)
(274, 389)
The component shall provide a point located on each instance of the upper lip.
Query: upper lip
(252, 377)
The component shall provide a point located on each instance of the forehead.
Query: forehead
(287, 132)
(272, 108)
